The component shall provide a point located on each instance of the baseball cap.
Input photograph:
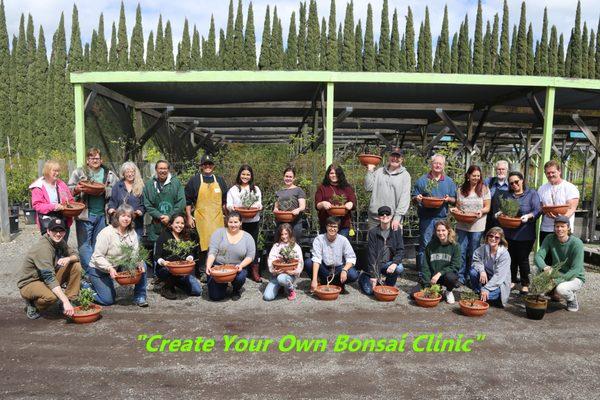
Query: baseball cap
(57, 224)
(561, 219)
(396, 151)
(384, 210)
(206, 159)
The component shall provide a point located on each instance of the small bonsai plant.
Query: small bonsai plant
(85, 300)
(338, 200)
(180, 248)
(130, 258)
(469, 296)
(432, 292)
(249, 199)
(431, 185)
(288, 253)
(286, 205)
(544, 281)
(509, 207)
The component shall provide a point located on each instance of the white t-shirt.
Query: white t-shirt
(556, 195)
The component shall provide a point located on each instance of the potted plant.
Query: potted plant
(470, 305)
(86, 311)
(91, 187)
(509, 209)
(383, 292)
(127, 264)
(224, 273)
(328, 292)
(541, 283)
(429, 201)
(367, 158)
(556, 209)
(338, 205)
(288, 260)
(429, 297)
(180, 249)
(284, 213)
(462, 216)
(71, 208)
(248, 200)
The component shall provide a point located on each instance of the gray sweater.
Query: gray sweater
(390, 189)
(229, 253)
(497, 269)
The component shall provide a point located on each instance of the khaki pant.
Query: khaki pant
(44, 297)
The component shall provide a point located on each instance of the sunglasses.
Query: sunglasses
(514, 182)
(385, 215)
(496, 237)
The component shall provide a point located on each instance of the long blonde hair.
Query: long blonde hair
(138, 182)
(451, 232)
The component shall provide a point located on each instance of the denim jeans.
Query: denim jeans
(325, 272)
(364, 281)
(425, 234)
(469, 242)
(218, 291)
(476, 285)
(87, 231)
(282, 280)
(189, 284)
(105, 289)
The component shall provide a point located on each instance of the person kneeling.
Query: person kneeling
(285, 243)
(333, 258)
(385, 249)
(49, 264)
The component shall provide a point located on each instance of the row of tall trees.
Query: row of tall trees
(37, 100)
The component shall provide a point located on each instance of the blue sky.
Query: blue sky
(47, 13)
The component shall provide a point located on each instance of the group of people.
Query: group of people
(205, 211)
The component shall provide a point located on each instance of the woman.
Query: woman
(229, 245)
(520, 240)
(473, 197)
(177, 231)
(291, 198)
(334, 183)
(108, 247)
(442, 260)
(283, 238)
(129, 190)
(48, 195)
(491, 268)
(245, 187)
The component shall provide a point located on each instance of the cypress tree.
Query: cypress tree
(504, 61)
(86, 57)
(184, 49)
(4, 75)
(560, 69)
(358, 40)
(159, 46)
(597, 57)
(238, 39)
(291, 51)
(333, 62)
(340, 45)
(312, 38)
(93, 51)
(420, 50)
(222, 50)
(369, 63)
(349, 49)
(62, 114)
(536, 59)
(427, 42)
(402, 61)
(209, 51)
(30, 37)
(584, 51)
(302, 27)
(136, 57)
(250, 42)
(101, 60)
(323, 46)
(493, 54)
(454, 54)
(487, 43)
(464, 59)
(276, 43)
(195, 55)
(478, 42)
(591, 56)
(75, 49)
(513, 52)
(409, 38)
(576, 53)
(569, 56)
(553, 52)
(227, 51)
(264, 61)
(395, 44)
(522, 59)
(443, 61)
(530, 54)
(383, 56)
(543, 59)
(122, 42)
(38, 82)
(168, 61)
(150, 62)
(112, 54)
(20, 101)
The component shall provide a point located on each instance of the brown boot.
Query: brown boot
(254, 273)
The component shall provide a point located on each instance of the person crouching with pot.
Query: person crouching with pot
(563, 247)
(110, 245)
(284, 239)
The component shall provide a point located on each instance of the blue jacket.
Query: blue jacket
(529, 203)
(120, 195)
(494, 185)
(446, 186)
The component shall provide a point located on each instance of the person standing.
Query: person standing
(496, 184)
(129, 190)
(294, 198)
(335, 183)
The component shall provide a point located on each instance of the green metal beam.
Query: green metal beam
(79, 125)
(547, 133)
(329, 126)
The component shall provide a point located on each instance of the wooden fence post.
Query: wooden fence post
(4, 217)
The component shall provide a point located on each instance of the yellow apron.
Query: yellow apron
(209, 212)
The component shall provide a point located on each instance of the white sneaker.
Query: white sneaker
(450, 297)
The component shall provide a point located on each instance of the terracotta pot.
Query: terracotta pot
(87, 316)
(92, 188)
(432, 202)
(509, 222)
(465, 217)
(282, 265)
(369, 159)
(556, 210)
(223, 273)
(247, 212)
(386, 293)
(337, 211)
(73, 209)
(423, 301)
(180, 268)
(125, 278)
(328, 292)
(284, 216)
(477, 308)
(535, 309)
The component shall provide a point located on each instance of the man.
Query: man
(93, 218)
(206, 193)
(563, 247)
(445, 188)
(498, 183)
(331, 254)
(389, 186)
(49, 264)
(385, 249)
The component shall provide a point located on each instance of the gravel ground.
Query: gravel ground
(519, 358)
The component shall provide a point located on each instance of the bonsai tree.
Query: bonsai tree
(338, 199)
(286, 205)
(432, 292)
(469, 296)
(180, 248)
(509, 207)
(288, 253)
(431, 185)
(85, 299)
(248, 199)
(544, 281)
(130, 258)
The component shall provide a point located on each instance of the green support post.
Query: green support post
(329, 126)
(79, 125)
(546, 144)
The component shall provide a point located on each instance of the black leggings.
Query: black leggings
(519, 251)
(548, 259)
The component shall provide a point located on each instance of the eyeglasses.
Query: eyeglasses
(514, 182)
(495, 237)
(385, 215)
(332, 227)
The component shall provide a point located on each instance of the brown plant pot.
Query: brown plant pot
(247, 212)
(556, 210)
(477, 308)
(464, 217)
(92, 188)
(369, 159)
(72, 209)
(426, 302)
(328, 292)
(509, 222)
(535, 309)
(337, 211)
(283, 266)
(386, 293)
(87, 316)
(180, 268)
(432, 202)
(125, 278)
(284, 216)
(223, 273)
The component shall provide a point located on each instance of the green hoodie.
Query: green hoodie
(571, 251)
(441, 258)
(168, 200)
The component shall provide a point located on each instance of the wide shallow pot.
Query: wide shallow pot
(464, 217)
(284, 216)
(72, 209)
(283, 266)
(337, 211)
(247, 212)
(432, 202)
(475, 308)
(180, 267)
(87, 316)
(509, 222)
(556, 210)
(328, 292)
(535, 309)
(223, 273)
(386, 293)
(92, 188)
(369, 159)
(426, 302)
(125, 278)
